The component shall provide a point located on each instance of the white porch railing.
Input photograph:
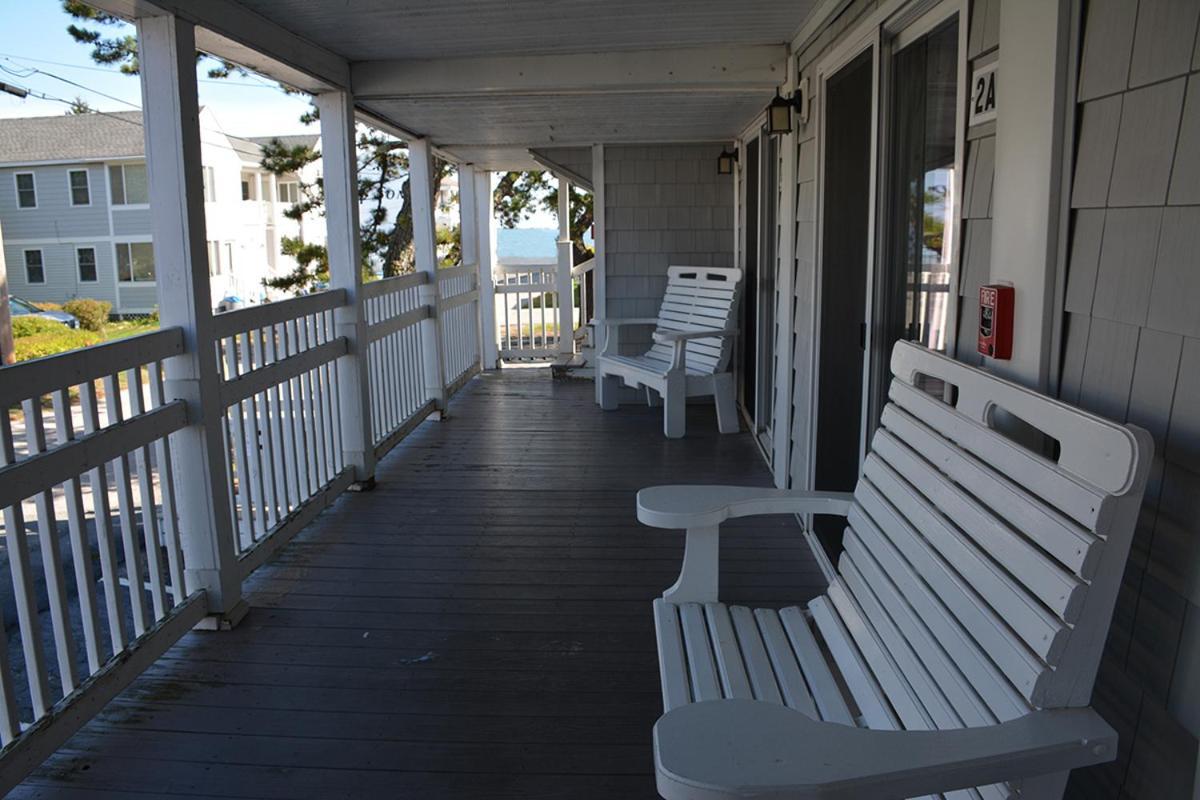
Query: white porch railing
(87, 433)
(90, 437)
(526, 313)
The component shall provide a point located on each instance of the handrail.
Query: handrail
(583, 267)
(44, 375)
(245, 319)
(396, 283)
(450, 273)
(536, 266)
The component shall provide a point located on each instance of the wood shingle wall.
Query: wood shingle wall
(1132, 352)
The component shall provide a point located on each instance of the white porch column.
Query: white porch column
(488, 354)
(339, 161)
(599, 295)
(167, 51)
(468, 236)
(420, 175)
(566, 302)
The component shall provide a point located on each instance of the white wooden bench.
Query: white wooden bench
(956, 646)
(692, 346)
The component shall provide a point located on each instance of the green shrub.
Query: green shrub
(29, 325)
(47, 344)
(92, 314)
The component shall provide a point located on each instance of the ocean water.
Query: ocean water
(512, 243)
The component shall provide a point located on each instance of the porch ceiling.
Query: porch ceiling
(487, 79)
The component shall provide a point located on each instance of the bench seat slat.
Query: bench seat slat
(876, 712)
(734, 681)
(701, 669)
(783, 662)
(671, 659)
(825, 691)
(758, 665)
(1042, 631)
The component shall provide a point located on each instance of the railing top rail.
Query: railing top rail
(245, 319)
(395, 283)
(449, 273)
(45, 375)
(582, 267)
(532, 266)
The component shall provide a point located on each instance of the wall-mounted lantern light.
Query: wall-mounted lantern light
(779, 112)
(725, 161)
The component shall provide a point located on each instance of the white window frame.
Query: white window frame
(117, 263)
(210, 184)
(124, 184)
(87, 185)
(293, 189)
(249, 184)
(79, 264)
(41, 262)
(17, 190)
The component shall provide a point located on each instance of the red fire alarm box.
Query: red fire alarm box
(996, 321)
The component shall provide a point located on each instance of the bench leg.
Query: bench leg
(607, 387)
(653, 398)
(674, 395)
(727, 419)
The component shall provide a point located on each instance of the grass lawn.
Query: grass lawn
(129, 327)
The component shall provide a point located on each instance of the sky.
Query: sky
(37, 54)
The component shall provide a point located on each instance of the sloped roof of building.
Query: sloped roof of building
(75, 137)
(84, 137)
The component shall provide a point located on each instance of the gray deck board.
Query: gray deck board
(478, 626)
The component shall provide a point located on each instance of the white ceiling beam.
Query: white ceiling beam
(229, 30)
(744, 68)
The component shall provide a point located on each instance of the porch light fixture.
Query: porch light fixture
(779, 112)
(726, 160)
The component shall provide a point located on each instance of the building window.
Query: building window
(35, 270)
(214, 258)
(135, 262)
(249, 186)
(289, 192)
(129, 184)
(210, 186)
(227, 261)
(81, 193)
(26, 190)
(85, 258)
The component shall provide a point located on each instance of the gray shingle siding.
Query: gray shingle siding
(664, 205)
(54, 215)
(62, 275)
(1132, 352)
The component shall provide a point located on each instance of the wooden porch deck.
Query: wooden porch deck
(479, 626)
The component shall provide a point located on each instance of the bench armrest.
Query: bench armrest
(701, 510)
(612, 330)
(747, 748)
(708, 506)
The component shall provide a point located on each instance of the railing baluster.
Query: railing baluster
(241, 475)
(254, 444)
(102, 516)
(133, 555)
(10, 716)
(150, 538)
(16, 541)
(166, 488)
(278, 506)
(81, 556)
(56, 590)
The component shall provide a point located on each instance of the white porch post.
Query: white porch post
(487, 282)
(469, 240)
(340, 164)
(566, 302)
(599, 295)
(167, 51)
(420, 174)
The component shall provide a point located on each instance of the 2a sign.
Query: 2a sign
(983, 95)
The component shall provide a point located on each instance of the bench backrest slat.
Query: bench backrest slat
(698, 299)
(986, 544)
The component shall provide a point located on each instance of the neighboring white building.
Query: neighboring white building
(77, 223)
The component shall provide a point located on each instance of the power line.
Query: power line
(259, 83)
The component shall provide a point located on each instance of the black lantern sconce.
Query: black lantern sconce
(779, 112)
(726, 160)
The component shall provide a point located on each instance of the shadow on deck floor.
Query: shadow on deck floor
(479, 626)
